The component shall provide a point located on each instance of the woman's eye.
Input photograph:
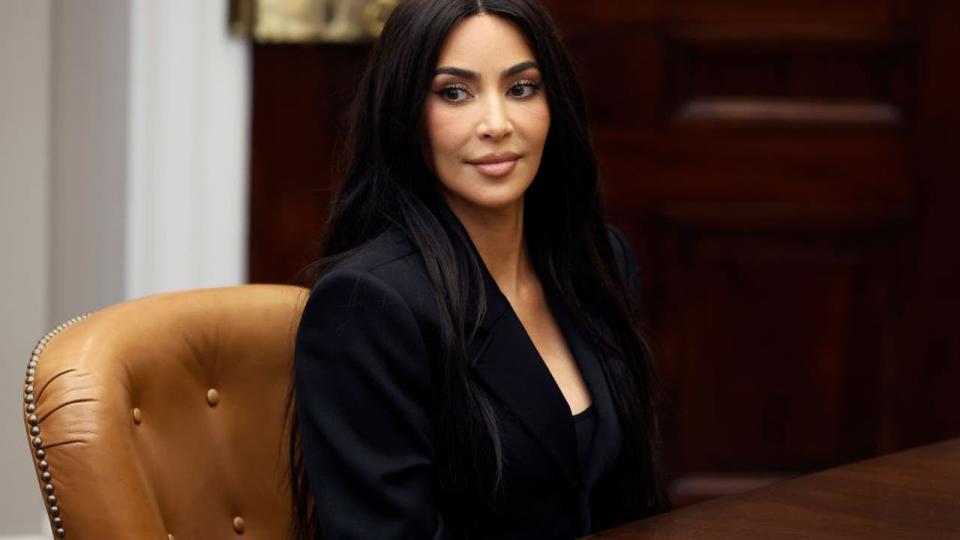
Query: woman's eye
(455, 94)
(524, 89)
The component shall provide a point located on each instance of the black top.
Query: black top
(586, 426)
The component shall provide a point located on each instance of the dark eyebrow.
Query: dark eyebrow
(522, 66)
(473, 76)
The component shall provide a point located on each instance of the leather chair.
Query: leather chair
(164, 417)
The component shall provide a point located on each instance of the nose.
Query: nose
(495, 123)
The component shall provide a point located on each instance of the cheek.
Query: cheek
(445, 131)
(536, 124)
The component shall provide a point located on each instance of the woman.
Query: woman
(468, 364)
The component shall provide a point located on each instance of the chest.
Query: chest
(547, 338)
(533, 408)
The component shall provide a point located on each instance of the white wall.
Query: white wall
(24, 229)
(123, 172)
(89, 163)
(188, 148)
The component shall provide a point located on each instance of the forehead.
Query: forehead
(484, 40)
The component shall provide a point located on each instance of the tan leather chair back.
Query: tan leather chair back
(163, 417)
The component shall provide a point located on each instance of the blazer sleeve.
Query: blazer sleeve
(364, 401)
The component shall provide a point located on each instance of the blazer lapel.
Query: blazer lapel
(509, 365)
(591, 360)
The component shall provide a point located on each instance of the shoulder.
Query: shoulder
(358, 333)
(386, 272)
(390, 258)
(389, 249)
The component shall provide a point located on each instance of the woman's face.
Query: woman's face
(486, 116)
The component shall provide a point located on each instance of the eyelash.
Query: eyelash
(525, 83)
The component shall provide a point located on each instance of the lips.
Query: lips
(496, 164)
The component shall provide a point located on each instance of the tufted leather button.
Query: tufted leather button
(238, 525)
(213, 397)
(137, 415)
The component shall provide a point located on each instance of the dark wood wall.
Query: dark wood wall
(787, 172)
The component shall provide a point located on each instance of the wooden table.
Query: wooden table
(910, 495)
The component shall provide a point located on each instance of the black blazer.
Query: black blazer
(366, 403)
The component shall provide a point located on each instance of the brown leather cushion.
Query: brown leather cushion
(164, 416)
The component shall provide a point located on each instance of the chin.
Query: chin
(490, 197)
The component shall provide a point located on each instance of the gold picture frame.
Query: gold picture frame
(309, 21)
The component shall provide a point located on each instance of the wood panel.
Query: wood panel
(300, 94)
(924, 400)
(760, 153)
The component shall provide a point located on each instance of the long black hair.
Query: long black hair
(389, 184)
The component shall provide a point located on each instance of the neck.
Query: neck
(498, 236)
